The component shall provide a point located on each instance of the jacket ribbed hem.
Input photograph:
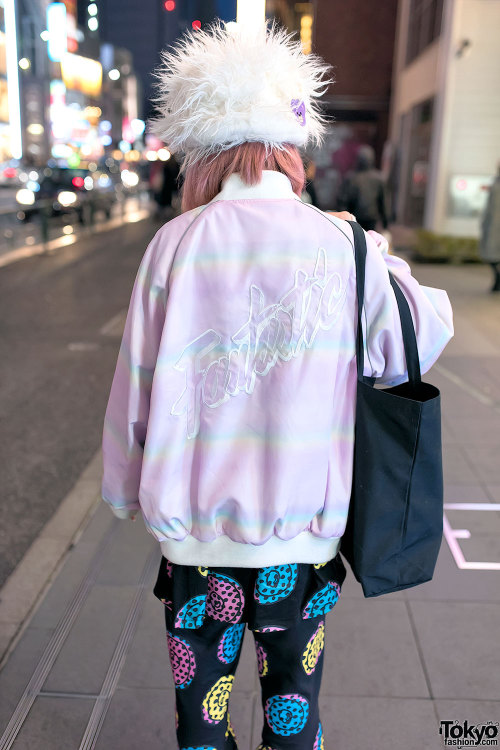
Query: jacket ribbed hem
(223, 552)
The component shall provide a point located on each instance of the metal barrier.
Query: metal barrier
(18, 229)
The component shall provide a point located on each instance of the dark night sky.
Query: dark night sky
(145, 28)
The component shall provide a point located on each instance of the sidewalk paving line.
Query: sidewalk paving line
(30, 579)
(470, 389)
(101, 706)
(56, 643)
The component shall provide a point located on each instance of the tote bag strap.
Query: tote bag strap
(408, 330)
(409, 337)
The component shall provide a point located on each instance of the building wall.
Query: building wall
(357, 38)
(470, 138)
(466, 115)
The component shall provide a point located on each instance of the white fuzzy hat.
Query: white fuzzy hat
(228, 85)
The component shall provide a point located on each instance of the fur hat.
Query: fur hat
(228, 85)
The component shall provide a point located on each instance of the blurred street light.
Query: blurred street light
(138, 127)
(92, 9)
(35, 128)
(129, 179)
(164, 154)
(24, 63)
(93, 23)
(114, 74)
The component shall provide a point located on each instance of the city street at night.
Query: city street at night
(87, 671)
(233, 513)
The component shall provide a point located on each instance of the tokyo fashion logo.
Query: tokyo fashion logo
(469, 735)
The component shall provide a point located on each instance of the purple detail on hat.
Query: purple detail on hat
(299, 110)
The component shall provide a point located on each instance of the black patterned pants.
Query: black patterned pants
(290, 664)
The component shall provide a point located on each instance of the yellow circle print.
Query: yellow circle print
(216, 700)
(319, 565)
(230, 728)
(313, 649)
(202, 571)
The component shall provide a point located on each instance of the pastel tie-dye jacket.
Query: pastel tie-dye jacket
(230, 422)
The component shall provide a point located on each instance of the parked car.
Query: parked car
(62, 191)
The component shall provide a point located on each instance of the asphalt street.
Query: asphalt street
(55, 372)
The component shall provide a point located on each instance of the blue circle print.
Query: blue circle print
(287, 714)
(322, 601)
(191, 615)
(229, 644)
(275, 582)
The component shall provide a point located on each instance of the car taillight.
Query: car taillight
(9, 173)
(78, 182)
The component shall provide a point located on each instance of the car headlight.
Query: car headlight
(25, 197)
(66, 198)
(129, 179)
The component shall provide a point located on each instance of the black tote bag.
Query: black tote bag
(395, 520)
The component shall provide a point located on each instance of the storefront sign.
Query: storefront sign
(82, 74)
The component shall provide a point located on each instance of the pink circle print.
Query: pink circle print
(182, 661)
(225, 598)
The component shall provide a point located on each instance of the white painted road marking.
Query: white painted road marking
(452, 535)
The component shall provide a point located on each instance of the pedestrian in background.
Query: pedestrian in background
(309, 194)
(167, 186)
(230, 423)
(363, 193)
(489, 246)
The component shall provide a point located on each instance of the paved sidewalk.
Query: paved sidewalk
(91, 669)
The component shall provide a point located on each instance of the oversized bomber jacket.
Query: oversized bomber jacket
(230, 422)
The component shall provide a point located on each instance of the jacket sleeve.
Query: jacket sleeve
(430, 308)
(126, 419)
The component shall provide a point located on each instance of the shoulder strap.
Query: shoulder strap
(408, 330)
(360, 260)
(409, 337)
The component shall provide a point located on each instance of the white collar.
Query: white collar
(272, 185)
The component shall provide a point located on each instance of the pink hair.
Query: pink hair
(204, 178)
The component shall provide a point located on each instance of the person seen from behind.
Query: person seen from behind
(230, 423)
(363, 193)
(489, 245)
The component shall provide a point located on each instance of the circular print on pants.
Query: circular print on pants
(275, 582)
(182, 661)
(322, 601)
(314, 649)
(225, 598)
(262, 664)
(229, 644)
(192, 614)
(319, 742)
(286, 714)
(215, 702)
